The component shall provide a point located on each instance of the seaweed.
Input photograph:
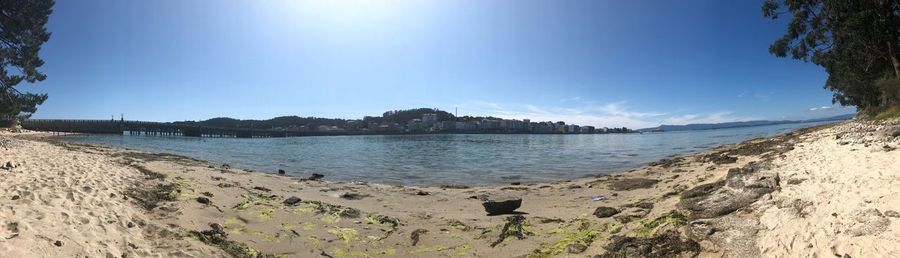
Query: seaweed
(516, 227)
(217, 237)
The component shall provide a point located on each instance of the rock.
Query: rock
(315, 176)
(718, 158)
(571, 187)
(203, 200)
(291, 201)
(422, 193)
(888, 148)
(664, 245)
(262, 189)
(454, 187)
(576, 248)
(892, 214)
(9, 165)
(629, 184)
(58, 243)
(501, 205)
(516, 183)
(281, 172)
(353, 196)
(605, 212)
(739, 188)
(15, 197)
(415, 235)
(868, 222)
(130, 224)
(734, 235)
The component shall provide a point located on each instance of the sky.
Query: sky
(593, 62)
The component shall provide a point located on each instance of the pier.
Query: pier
(156, 128)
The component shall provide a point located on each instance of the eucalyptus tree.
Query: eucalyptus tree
(857, 42)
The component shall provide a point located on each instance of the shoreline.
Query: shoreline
(582, 172)
(182, 206)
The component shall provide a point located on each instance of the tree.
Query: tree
(855, 41)
(22, 32)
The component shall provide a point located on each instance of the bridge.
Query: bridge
(157, 128)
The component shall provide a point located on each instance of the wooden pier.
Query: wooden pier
(156, 128)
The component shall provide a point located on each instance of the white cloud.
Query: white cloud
(711, 118)
(819, 108)
(612, 114)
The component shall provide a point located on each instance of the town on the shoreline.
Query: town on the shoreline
(412, 121)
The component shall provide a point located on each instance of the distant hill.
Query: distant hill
(691, 127)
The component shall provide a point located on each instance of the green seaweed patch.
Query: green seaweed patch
(331, 219)
(265, 215)
(308, 226)
(580, 232)
(647, 226)
(318, 207)
(257, 199)
(218, 238)
(345, 234)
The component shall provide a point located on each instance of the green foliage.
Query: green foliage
(22, 32)
(857, 42)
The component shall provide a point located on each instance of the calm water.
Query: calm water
(474, 159)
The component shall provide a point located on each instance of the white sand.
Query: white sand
(76, 198)
(828, 195)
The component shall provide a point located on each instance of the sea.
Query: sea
(443, 159)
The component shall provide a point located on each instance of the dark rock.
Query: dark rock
(576, 248)
(710, 168)
(888, 148)
(895, 134)
(892, 214)
(571, 187)
(718, 158)
(262, 189)
(315, 176)
(281, 172)
(454, 187)
(130, 224)
(203, 200)
(15, 197)
(353, 196)
(501, 205)
(664, 245)
(515, 183)
(605, 212)
(414, 236)
(741, 187)
(422, 193)
(58, 243)
(665, 163)
(629, 184)
(291, 201)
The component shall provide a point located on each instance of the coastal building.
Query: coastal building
(444, 126)
(429, 119)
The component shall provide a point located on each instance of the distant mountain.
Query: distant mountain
(690, 127)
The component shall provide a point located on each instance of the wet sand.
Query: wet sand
(734, 200)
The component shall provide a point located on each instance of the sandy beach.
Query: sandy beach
(816, 192)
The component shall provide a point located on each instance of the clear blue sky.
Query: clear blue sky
(593, 62)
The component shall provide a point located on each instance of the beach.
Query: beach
(821, 191)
